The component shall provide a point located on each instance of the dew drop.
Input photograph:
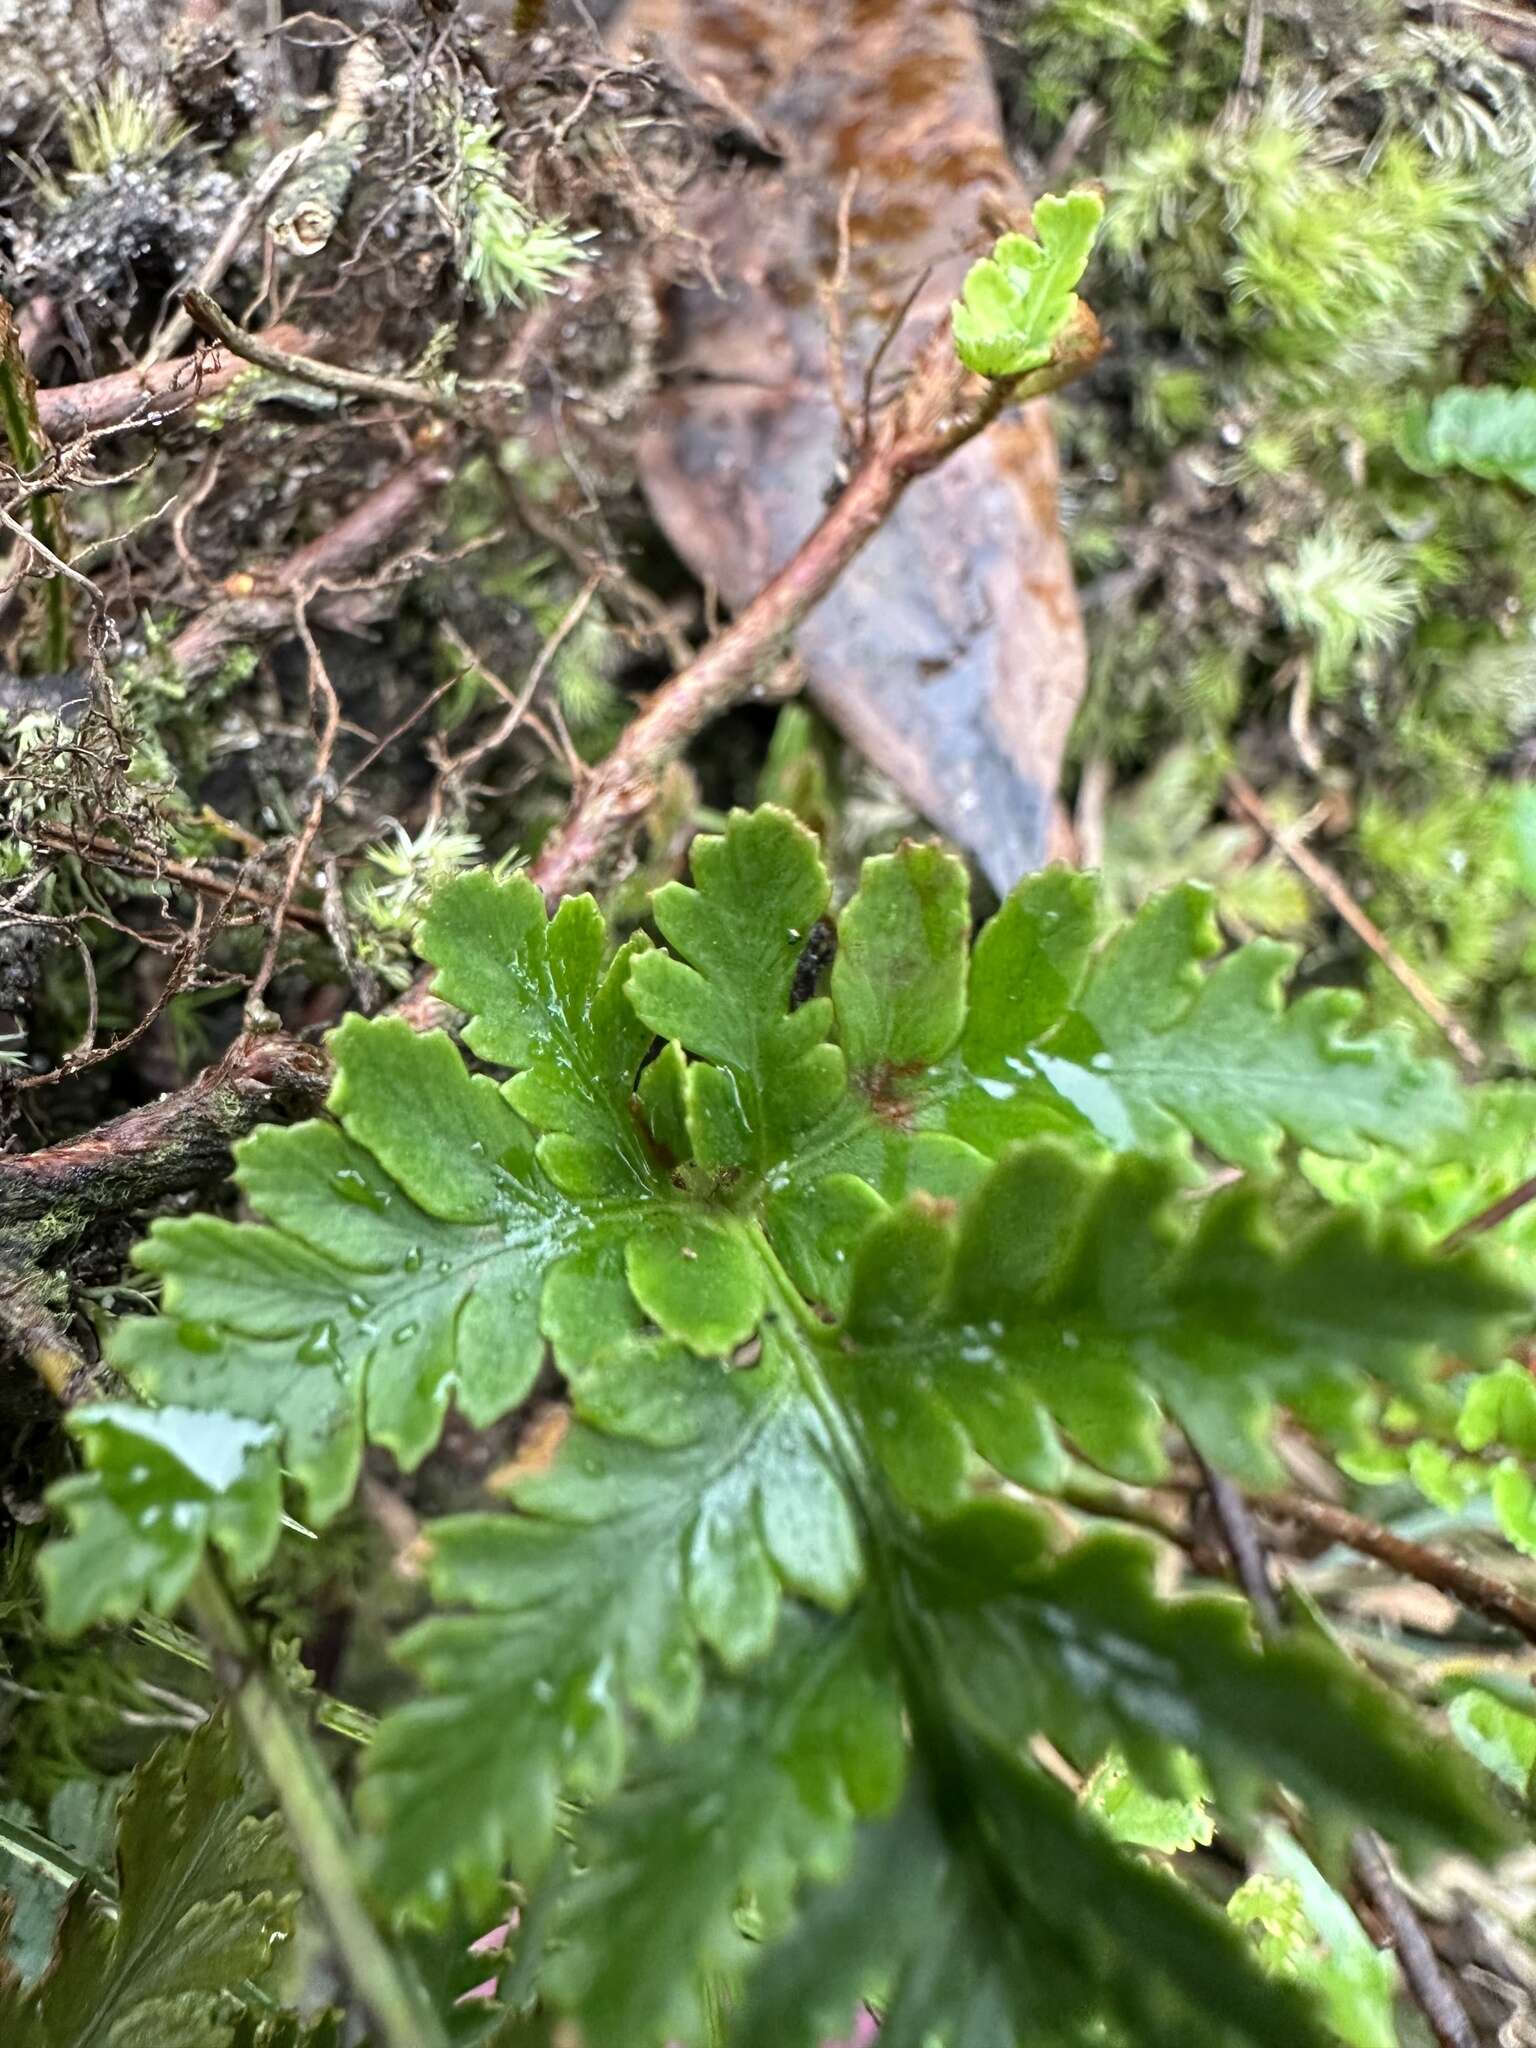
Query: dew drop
(353, 1187)
(319, 1346)
(407, 1333)
(412, 1259)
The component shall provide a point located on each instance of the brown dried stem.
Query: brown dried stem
(323, 701)
(1332, 890)
(158, 868)
(941, 409)
(171, 1145)
(1432, 1990)
(263, 351)
(148, 396)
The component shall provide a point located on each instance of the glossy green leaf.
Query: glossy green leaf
(1142, 1048)
(802, 1289)
(162, 1483)
(627, 1555)
(697, 1277)
(1016, 301)
(402, 1270)
(205, 1892)
(762, 1796)
(737, 935)
(1080, 1647)
(898, 981)
(541, 1000)
(1067, 1290)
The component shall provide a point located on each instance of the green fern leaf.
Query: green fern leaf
(738, 934)
(162, 1485)
(541, 1001)
(1079, 1647)
(205, 1893)
(764, 1793)
(1010, 1918)
(633, 1552)
(1145, 1050)
(801, 1281)
(402, 1267)
(1017, 300)
(1064, 1291)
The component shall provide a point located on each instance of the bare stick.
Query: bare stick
(322, 698)
(1432, 1989)
(336, 555)
(259, 349)
(165, 1148)
(1332, 890)
(1479, 1590)
(1489, 1219)
(148, 396)
(133, 862)
(942, 408)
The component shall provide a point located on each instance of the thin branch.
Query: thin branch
(1244, 1547)
(56, 563)
(260, 350)
(519, 701)
(165, 1148)
(316, 1822)
(341, 552)
(158, 868)
(1329, 886)
(1489, 1219)
(322, 697)
(942, 408)
(1478, 1590)
(149, 396)
(1432, 1989)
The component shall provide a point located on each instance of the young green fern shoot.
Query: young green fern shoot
(1016, 301)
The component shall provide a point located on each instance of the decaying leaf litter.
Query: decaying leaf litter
(336, 641)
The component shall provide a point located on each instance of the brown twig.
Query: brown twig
(168, 1146)
(157, 867)
(1329, 886)
(322, 699)
(1478, 1590)
(335, 555)
(1489, 1219)
(941, 409)
(1432, 1989)
(518, 701)
(1434, 1993)
(149, 396)
(263, 352)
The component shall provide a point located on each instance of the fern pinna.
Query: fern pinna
(764, 1688)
